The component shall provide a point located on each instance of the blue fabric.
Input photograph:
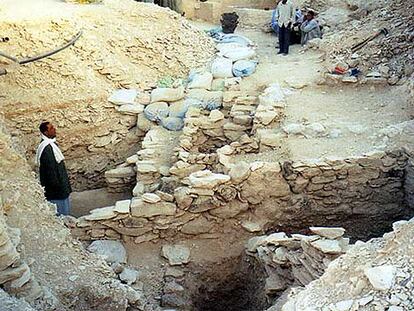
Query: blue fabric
(63, 206)
(274, 23)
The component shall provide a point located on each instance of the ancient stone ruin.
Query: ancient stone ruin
(209, 173)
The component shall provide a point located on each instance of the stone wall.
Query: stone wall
(211, 10)
(259, 196)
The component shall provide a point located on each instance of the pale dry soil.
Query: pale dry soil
(356, 114)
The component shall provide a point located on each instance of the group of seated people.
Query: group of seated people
(305, 28)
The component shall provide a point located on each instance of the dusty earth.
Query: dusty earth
(358, 113)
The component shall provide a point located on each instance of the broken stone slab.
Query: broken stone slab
(216, 116)
(123, 96)
(120, 172)
(131, 109)
(167, 94)
(176, 254)
(253, 243)
(151, 198)
(101, 213)
(207, 179)
(139, 208)
(328, 246)
(174, 272)
(328, 232)
(277, 237)
(129, 276)
(240, 172)
(381, 277)
(122, 207)
(230, 210)
(146, 238)
(173, 287)
(197, 226)
(112, 251)
(251, 226)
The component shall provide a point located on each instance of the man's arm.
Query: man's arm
(308, 26)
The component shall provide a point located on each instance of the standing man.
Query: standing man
(52, 170)
(285, 13)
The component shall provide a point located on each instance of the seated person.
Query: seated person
(295, 34)
(310, 28)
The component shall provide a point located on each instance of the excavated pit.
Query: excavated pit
(236, 284)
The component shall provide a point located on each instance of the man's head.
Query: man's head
(284, 1)
(310, 15)
(47, 129)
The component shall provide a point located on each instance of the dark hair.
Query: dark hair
(43, 127)
(311, 13)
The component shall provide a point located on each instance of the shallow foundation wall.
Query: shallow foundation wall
(362, 194)
(211, 10)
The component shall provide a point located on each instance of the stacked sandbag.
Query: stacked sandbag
(167, 108)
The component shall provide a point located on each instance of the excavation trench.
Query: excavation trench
(236, 284)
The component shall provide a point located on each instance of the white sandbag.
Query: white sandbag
(227, 47)
(156, 111)
(172, 123)
(201, 80)
(240, 53)
(244, 68)
(167, 94)
(178, 109)
(123, 96)
(210, 99)
(222, 68)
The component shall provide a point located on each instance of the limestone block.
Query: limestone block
(239, 172)
(251, 226)
(139, 208)
(328, 232)
(112, 251)
(197, 226)
(132, 109)
(122, 207)
(146, 238)
(129, 276)
(277, 237)
(253, 243)
(201, 204)
(176, 254)
(120, 172)
(328, 246)
(101, 213)
(150, 198)
(207, 179)
(381, 277)
(132, 159)
(230, 210)
(216, 116)
(13, 273)
(182, 197)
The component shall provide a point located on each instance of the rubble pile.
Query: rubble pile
(296, 260)
(387, 58)
(376, 275)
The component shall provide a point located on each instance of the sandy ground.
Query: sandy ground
(353, 116)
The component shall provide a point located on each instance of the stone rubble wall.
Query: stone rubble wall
(259, 196)
(296, 260)
(15, 275)
(376, 275)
